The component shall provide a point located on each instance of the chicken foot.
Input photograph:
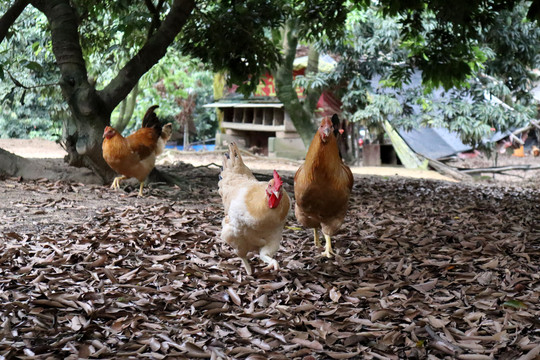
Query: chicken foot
(328, 252)
(272, 263)
(116, 182)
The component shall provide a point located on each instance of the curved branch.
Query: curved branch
(285, 90)
(10, 16)
(154, 49)
(25, 87)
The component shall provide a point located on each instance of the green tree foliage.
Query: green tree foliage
(375, 53)
(171, 80)
(243, 38)
(446, 40)
(443, 37)
(31, 105)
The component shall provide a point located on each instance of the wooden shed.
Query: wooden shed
(261, 124)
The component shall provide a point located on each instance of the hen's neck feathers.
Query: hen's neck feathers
(116, 140)
(257, 202)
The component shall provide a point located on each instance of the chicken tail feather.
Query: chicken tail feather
(150, 119)
(232, 158)
(166, 132)
(233, 163)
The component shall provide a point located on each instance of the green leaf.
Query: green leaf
(32, 65)
(516, 304)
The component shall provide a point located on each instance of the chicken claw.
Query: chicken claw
(328, 252)
(116, 182)
(272, 263)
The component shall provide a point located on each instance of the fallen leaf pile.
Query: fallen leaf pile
(424, 269)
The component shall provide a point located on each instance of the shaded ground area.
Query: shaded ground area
(51, 153)
(424, 269)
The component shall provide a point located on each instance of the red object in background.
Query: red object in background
(360, 142)
(468, 154)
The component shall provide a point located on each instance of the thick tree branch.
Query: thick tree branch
(284, 81)
(285, 89)
(10, 16)
(148, 55)
(67, 50)
(500, 169)
(312, 95)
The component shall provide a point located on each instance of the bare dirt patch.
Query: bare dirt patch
(265, 164)
(33, 148)
(516, 177)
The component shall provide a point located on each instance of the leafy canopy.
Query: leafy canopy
(378, 80)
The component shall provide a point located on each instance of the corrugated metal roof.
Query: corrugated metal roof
(434, 143)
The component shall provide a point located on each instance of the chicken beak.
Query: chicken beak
(327, 131)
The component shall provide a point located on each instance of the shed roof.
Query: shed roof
(434, 143)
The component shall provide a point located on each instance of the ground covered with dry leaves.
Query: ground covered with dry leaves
(424, 270)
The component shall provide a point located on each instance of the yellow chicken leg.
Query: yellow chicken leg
(316, 237)
(140, 189)
(116, 182)
(328, 252)
(246, 265)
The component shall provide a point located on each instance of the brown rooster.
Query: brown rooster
(135, 155)
(323, 184)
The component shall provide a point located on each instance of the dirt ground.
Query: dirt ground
(33, 148)
(40, 148)
(424, 269)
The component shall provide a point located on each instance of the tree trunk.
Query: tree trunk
(82, 137)
(127, 106)
(301, 113)
(82, 132)
(186, 135)
(91, 109)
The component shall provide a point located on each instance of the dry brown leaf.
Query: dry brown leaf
(315, 345)
(94, 273)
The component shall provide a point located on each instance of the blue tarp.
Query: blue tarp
(210, 147)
